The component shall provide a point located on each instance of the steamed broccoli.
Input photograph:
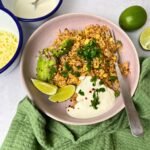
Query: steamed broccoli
(45, 68)
(64, 48)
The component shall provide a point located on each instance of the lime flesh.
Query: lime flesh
(145, 39)
(63, 94)
(46, 88)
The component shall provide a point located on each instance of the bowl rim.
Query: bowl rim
(20, 43)
(39, 18)
(60, 119)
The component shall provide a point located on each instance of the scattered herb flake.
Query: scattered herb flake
(89, 51)
(117, 93)
(101, 90)
(81, 92)
(112, 78)
(79, 67)
(89, 65)
(93, 80)
(101, 82)
(77, 74)
(67, 66)
(95, 100)
(64, 74)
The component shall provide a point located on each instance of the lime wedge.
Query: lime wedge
(63, 94)
(44, 87)
(145, 39)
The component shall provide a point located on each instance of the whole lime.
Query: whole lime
(132, 18)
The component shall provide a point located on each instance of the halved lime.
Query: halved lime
(145, 38)
(63, 94)
(44, 87)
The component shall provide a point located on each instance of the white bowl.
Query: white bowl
(9, 4)
(10, 23)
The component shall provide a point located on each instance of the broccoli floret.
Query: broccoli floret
(45, 69)
(64, 48)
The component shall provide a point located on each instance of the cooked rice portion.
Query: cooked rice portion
(102, 66)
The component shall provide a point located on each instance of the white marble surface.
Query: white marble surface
(11, 90)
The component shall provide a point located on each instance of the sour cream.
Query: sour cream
(25, 8)
(83, 108)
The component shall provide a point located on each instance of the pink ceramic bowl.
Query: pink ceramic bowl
(44, 36)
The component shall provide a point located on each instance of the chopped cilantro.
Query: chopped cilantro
(117, 93)
(101, 82)
(95, 100)
(89, 51)
(101, 90)
(94, 84)
(67, 66)
(64, 74)
(81, 92)
(79, 67)
(93, 80)
(89, 65)
(112, 78)
(77, 74)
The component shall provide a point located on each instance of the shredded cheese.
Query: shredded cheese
(8, 47)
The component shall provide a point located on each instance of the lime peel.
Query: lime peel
(63, 94)
(46, 88)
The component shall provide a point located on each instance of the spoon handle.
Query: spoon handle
(134, 121)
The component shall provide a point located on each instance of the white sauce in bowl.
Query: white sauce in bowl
(25, 8)
(83, 108)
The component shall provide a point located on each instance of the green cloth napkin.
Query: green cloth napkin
(31, 130)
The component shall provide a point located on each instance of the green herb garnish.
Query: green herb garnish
(117, 93)
(89, 65)
(93, 80)
(101, 82)
(79, 67)
(101, 90)
(90, 50)
(95, 100)
(112, 78)
(64, 74)
(77, 74)
(81, 92)
(67, 66)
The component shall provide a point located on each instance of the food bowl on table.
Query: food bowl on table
(28, 11)
(10, 51)
(44, 36)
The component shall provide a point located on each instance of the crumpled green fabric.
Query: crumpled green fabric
(32, 130)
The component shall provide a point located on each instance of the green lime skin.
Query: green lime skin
(132, 18)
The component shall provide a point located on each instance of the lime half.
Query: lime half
(63, 94)
(44, 87)
(145, 39)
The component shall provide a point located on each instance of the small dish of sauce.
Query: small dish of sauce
(27, 9)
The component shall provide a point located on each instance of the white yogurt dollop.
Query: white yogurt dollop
(83, 108)
(25, 8)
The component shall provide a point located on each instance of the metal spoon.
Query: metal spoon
(133, 117)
